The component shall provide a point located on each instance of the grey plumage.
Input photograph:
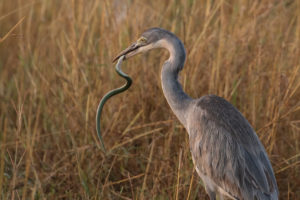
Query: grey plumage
(226, 151)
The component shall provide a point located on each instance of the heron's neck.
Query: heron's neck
(178, 100)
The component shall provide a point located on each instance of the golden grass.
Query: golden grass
(55, 65)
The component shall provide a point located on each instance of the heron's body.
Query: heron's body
(226, 151)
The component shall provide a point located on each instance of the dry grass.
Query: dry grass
(55, 65)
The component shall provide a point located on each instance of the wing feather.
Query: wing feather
(226, 149)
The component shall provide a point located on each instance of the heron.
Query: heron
(226, 151)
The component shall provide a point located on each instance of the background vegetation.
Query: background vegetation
(55, 65)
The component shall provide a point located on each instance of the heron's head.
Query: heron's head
(150, 39)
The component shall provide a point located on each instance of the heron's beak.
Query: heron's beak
(128, 52)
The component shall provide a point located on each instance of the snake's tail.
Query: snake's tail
(99, 110)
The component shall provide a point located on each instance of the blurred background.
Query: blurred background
(56, 64)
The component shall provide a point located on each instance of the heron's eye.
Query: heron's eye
(142, 40)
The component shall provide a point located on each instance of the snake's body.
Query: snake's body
(109, 95)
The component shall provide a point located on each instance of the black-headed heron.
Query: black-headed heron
(227, 153)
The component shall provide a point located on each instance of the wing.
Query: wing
(226, 149)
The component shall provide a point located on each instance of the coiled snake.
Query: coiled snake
(109, 95)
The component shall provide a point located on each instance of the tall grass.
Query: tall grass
(55, 65)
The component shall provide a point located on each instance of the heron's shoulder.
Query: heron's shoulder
(217, 109)
(212, 112)
(213, 102)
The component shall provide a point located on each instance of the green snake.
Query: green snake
(109, 95)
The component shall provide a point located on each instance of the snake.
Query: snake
(108, 95)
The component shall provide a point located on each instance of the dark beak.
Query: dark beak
(131, 48)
